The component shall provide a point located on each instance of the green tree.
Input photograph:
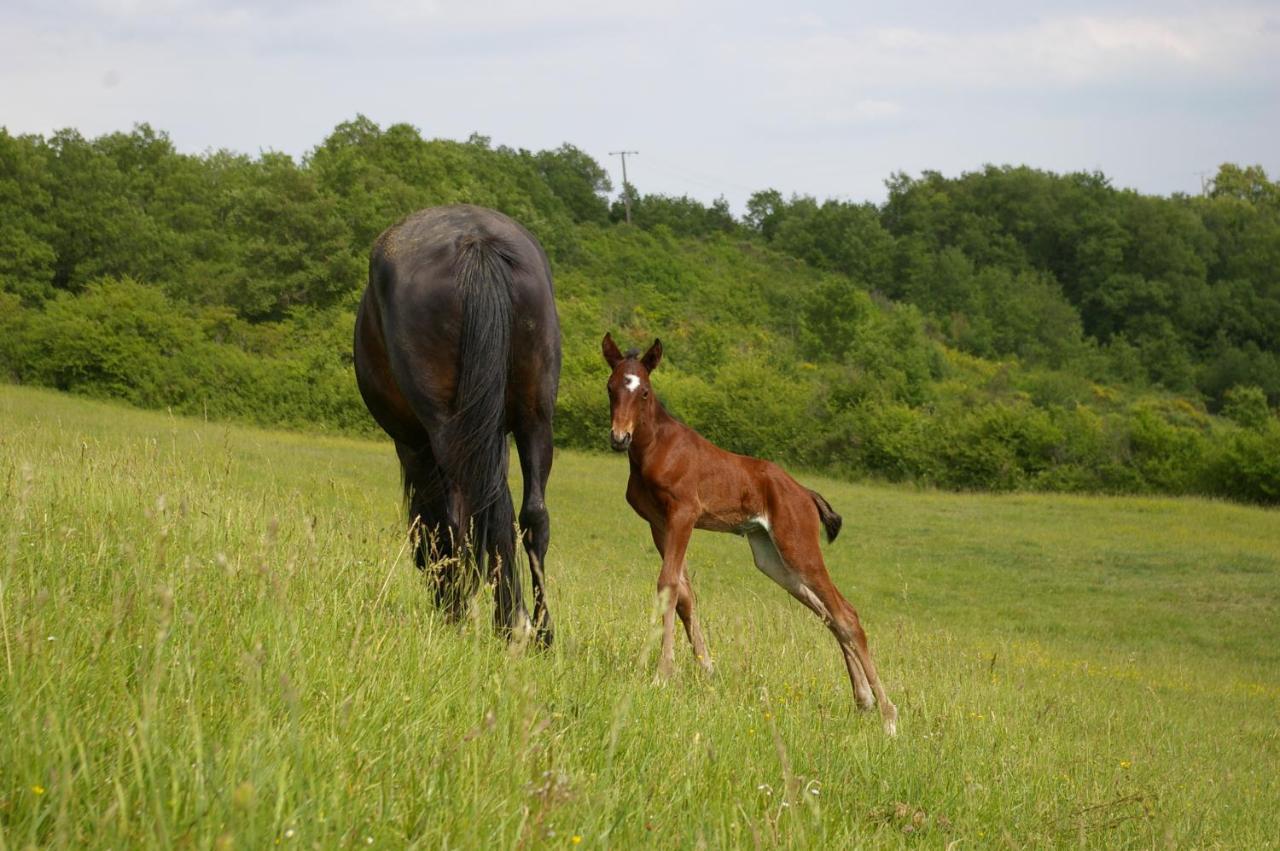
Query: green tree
(27, 255)
(578, 181)
(1246, 184)
(765, 211)
(682, 216)
(100, 228)
(293, 245)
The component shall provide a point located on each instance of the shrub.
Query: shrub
(1247, 407)
(1246, 465)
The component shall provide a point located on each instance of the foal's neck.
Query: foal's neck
(661, 428)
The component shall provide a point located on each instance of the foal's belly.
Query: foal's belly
(739, 525)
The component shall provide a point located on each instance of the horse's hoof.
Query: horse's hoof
(519, 635)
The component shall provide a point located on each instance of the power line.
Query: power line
(626, 187)
(710, 181)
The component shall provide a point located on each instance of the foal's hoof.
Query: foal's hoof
(891, 721)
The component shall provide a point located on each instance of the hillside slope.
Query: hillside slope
(213, 635)
(1008, 329)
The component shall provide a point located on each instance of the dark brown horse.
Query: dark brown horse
(457, 343)
(680, 481)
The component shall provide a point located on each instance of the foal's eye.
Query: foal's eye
(645, 394)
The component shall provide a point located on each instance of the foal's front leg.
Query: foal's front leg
(684, 602)
(678, 529)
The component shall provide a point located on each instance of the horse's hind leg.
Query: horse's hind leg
(533, 443)
(510, 616)
(433, 546)
(812, 586)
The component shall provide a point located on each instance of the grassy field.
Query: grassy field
(213, 637)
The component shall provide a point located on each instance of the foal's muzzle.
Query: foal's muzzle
(620, 444)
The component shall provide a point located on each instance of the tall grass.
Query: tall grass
(213, 637)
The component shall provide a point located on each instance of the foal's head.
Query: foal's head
(631, 399)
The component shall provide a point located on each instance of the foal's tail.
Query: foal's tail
(477, 441)
(830, 520)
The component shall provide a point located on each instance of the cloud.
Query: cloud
(819, 97)
(387, 21)
(862, 112)
(1055, 51)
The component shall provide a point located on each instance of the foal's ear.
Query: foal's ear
(652, 357)
(610, 349)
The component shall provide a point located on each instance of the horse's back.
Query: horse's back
(408, 335)
(421, 251)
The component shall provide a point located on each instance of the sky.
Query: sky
(719, 98)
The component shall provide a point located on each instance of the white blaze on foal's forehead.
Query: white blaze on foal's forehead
(633, 381)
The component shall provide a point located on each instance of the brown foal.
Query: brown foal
(680, 481)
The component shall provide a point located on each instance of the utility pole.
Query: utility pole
(1204, 183)
(626, 187)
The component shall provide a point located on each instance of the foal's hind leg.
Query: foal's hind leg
(770, 562)
(684, 603)
(812, 586)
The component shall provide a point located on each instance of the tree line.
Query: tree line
(1007, 328)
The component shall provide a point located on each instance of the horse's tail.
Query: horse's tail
(476, 454)
(830, 520)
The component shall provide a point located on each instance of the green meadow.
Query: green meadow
(213, 637)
